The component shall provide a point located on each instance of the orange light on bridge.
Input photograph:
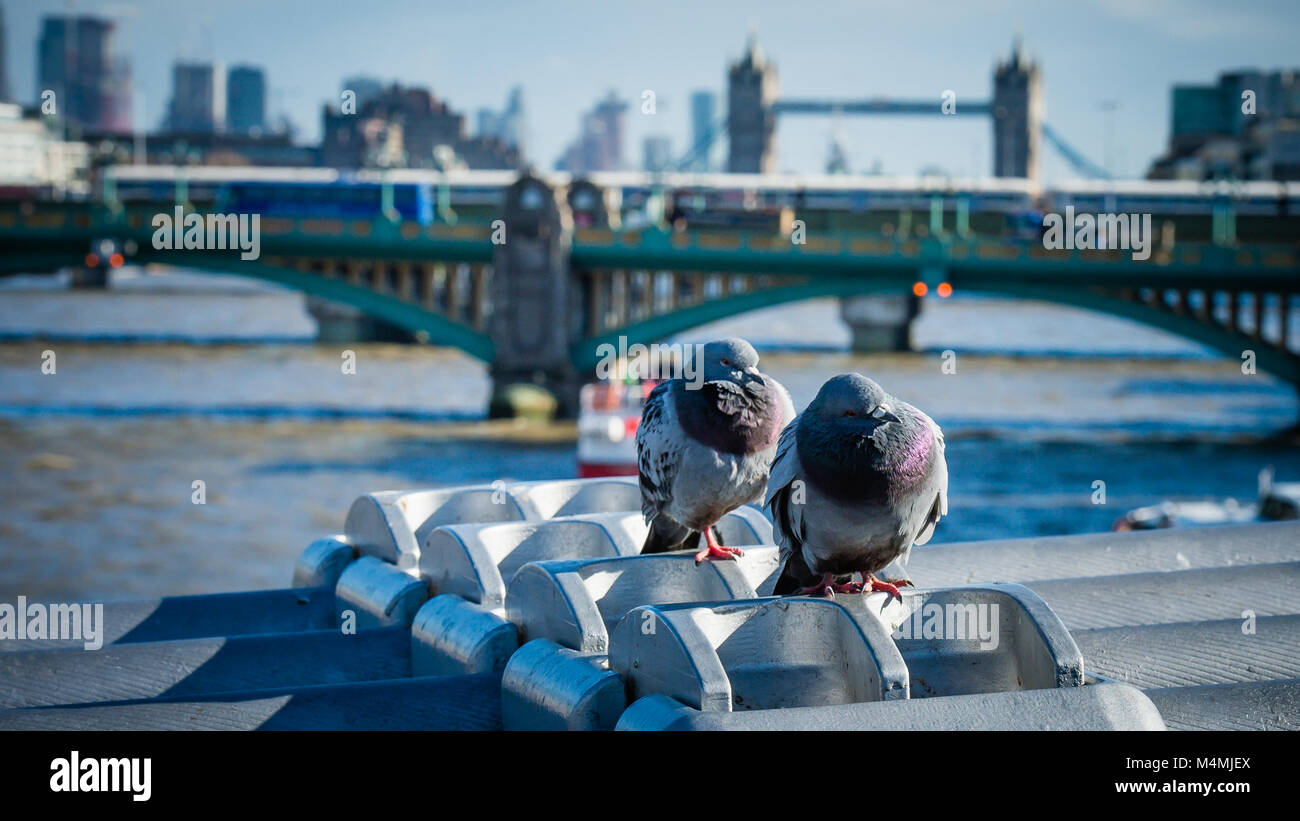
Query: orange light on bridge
(92, 260)
(117, 261)
(944, 290)
(920, 289)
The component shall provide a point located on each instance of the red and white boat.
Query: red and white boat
(608, 415)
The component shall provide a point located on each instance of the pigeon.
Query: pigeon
(704, 449)
(859, 478)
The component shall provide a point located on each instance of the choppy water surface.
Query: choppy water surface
(163, 381)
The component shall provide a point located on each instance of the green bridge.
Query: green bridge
(535, 297)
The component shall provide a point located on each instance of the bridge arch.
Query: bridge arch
(1268, 358)
(429, 326)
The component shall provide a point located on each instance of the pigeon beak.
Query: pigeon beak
(883, 413)
(752, 376)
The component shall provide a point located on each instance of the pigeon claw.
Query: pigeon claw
(871, 584)
(717, 551)
(827, 588)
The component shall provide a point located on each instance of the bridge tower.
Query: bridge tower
(1017, 116)
(752, 89)
(535, 303)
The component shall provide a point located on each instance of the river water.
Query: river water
(170, 378)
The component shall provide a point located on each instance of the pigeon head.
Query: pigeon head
(851, 402)
(734, 409)
(731, 360)
(844, 438)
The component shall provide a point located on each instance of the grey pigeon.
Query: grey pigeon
(704, 448)
(859, 478)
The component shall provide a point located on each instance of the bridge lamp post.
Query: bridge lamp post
(386, 202)
(936, 216)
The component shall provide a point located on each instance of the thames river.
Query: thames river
(171, 379)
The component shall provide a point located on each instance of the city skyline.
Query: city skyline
(1083, 76)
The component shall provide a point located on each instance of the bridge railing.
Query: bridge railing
(748, 252)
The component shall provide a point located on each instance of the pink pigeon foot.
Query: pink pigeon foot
(715, 550)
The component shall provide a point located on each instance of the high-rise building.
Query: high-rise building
(599, 146)
(1199, 111)
(1245, 126)
(1231, 105)
(1017, 116)
(704, 112)
(489, 123)
(513, 122)
(198, 103)
(506, 125)
(407, 127)
(4, 61)
(246, 100)
(752, 89)
(608, 118)
(657, 153)
(91, 86)
(365, 88)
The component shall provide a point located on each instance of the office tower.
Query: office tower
(657, 153)
(91, 86)
(246, 100)
(4, 61)
(704, 113)
(198, 103)
(599, 145)
(364, 87)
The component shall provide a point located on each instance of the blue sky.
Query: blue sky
(566, 54)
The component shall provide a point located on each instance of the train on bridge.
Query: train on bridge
(905, 206)
(417, 249)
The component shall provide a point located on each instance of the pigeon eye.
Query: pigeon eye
(850, 413)
(726, 362)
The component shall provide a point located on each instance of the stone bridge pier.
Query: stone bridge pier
(536, 305)
(540, 305)
(880, 323)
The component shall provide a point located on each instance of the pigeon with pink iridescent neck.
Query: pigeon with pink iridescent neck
(859, 477)
(704, 449)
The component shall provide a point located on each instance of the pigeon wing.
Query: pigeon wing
(785, 465)
(786, 491)
(659, 444)
(932, 501)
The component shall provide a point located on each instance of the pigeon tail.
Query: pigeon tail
(795, 575)
(666, 535)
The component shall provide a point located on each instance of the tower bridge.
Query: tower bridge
(1016, 110)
